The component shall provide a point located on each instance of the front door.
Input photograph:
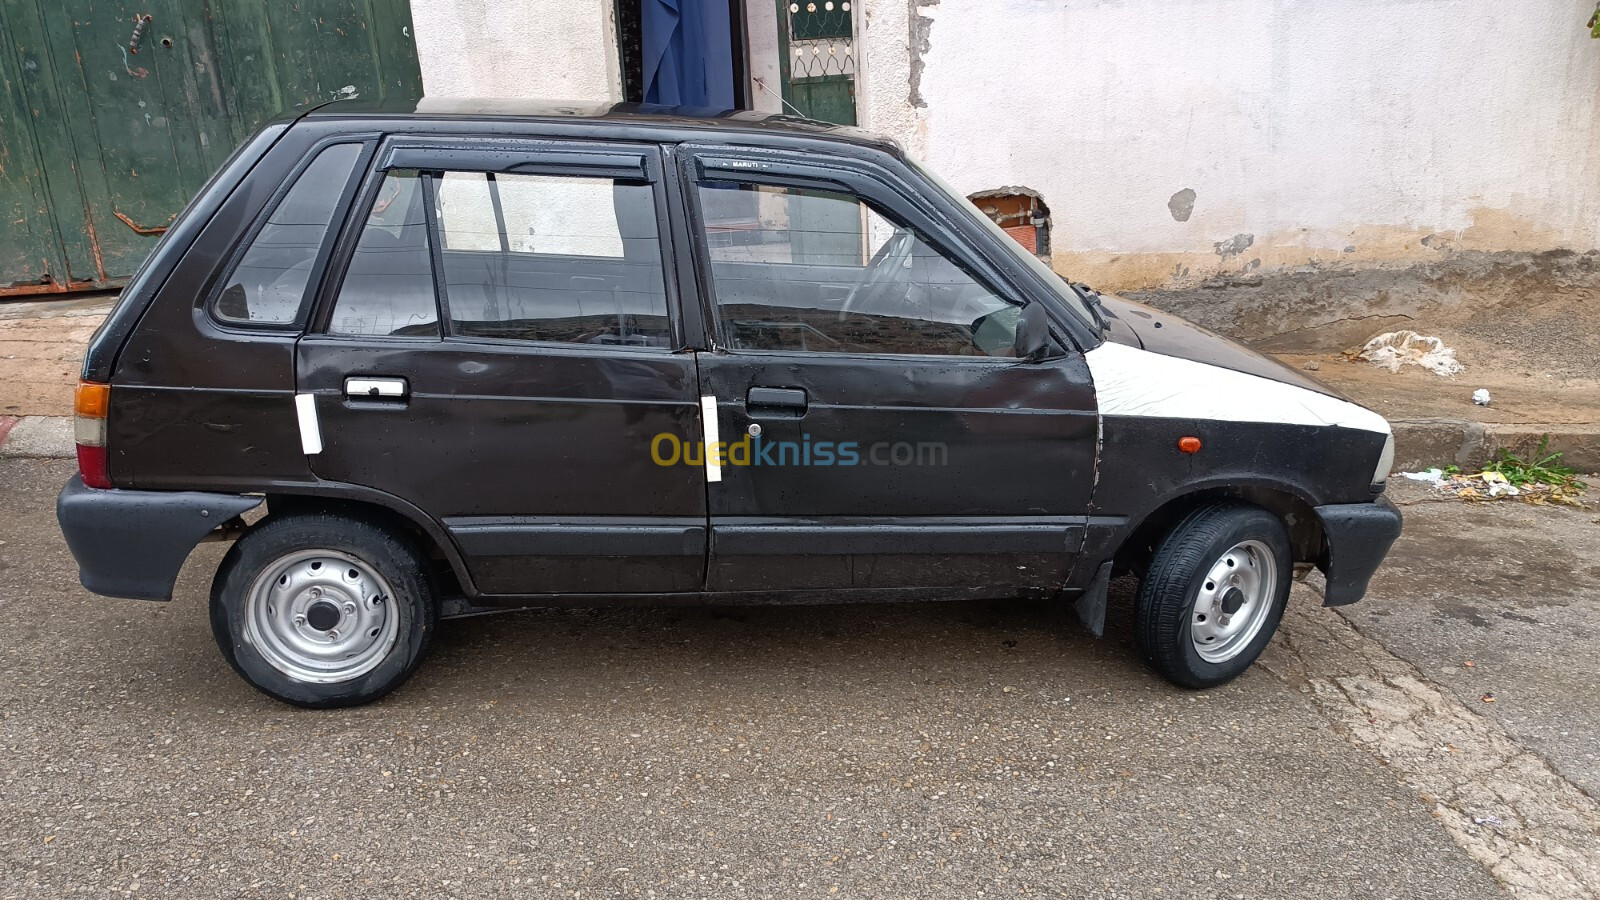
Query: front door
(501, 352)
(880, 433)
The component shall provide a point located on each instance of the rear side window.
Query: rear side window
(388, 289)
(268, 286)
(554, 258)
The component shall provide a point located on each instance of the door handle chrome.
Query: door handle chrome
(375, 388)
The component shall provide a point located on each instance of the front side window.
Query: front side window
(553, 258)
(268, 286)
(819, 271)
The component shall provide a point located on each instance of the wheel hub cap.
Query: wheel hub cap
(320, 616)
(1235, 597)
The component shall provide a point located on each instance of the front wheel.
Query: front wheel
(323, 610)
(1213, 594)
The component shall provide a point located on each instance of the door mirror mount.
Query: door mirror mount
(1033, 341)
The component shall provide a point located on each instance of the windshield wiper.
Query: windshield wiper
(1091, 299)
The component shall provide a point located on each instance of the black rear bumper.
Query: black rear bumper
(132, 543)
(1358, 537)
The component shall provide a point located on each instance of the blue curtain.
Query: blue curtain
(688, 52)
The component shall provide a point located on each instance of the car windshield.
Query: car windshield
(1063, 291)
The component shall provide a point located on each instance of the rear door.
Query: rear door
(881, 433)
(501, 351)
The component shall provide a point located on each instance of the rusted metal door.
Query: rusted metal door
(116, 111)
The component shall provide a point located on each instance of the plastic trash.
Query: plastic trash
(1492, 485)
(1394, 349)
(1481, 396)
(1499, 485)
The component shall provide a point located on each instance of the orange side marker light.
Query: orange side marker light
(1189, 444)
(92, 400)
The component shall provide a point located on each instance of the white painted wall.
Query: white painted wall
(1334, 131)
(1313, 126)
(549, 49)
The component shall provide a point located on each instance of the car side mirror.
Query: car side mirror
(1033, 341)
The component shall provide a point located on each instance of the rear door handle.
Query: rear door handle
(786, 402)
(370, 388)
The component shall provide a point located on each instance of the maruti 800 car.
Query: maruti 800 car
(425, 360)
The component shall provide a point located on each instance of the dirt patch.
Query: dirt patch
(1516, 303)
(41, 356)
(1521, 389)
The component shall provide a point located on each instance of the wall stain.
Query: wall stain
(1182, 205)
(920, 28)
(1359, 248)
(1235, 245)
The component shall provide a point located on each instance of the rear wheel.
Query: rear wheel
(1213, 594)
(323, 610)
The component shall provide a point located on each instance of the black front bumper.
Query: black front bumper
(132, 543)
(1357, 537)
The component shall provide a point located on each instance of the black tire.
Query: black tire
(392, 555)
(1172, 584)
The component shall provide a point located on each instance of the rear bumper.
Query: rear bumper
(132, 543)
(1358, 537)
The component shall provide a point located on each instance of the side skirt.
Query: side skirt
(462, 607)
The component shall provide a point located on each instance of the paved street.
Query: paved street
(884, 751)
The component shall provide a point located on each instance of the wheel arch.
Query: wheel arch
(389, 511)
(1293, 508)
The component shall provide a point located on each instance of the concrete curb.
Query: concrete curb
(36, 437)
(1421, 443)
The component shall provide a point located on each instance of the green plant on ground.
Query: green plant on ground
(1541, 467)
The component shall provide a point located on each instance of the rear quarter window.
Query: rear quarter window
(267, 286)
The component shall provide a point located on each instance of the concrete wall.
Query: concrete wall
(551, 49)
(1180, 140)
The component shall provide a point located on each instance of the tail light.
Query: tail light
(90, 406)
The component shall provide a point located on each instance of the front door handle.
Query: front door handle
(370, 388)
(784, 402)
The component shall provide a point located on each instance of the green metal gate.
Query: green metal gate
(114, 112)
(816, 41)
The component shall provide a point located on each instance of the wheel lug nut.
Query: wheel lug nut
(333, 634)
(299, 619)
(349, 608)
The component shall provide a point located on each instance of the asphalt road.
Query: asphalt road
(938, 750)
(1515, 590)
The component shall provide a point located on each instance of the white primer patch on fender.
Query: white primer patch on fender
(1133, 382)
(305, 409)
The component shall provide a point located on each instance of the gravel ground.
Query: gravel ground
(934, 750)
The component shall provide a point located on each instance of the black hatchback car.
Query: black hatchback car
(450, 357)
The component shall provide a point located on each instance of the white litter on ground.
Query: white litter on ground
(1398, 348)
(1481, 396)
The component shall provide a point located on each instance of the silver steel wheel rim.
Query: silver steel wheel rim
(321, 616)
(1235, 597)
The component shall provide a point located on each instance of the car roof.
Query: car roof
(673, 122)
